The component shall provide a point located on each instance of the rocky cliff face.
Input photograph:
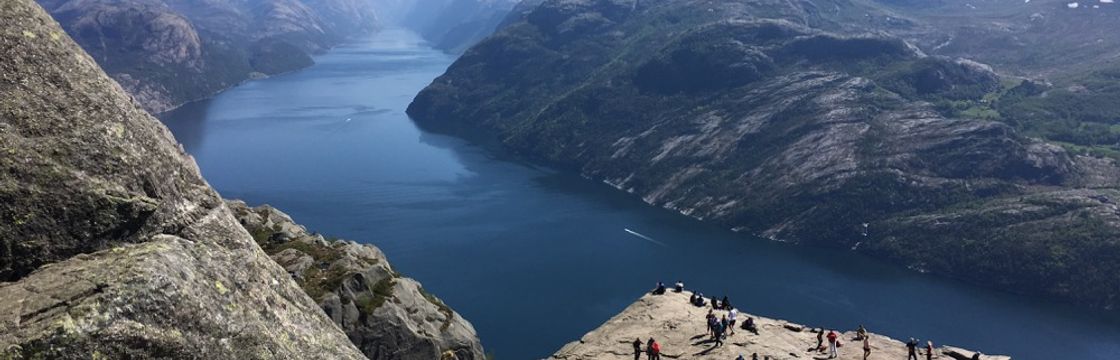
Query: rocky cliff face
(674, 323)
(386, 315)
(167, 52)
(113, 246)
(785, 120)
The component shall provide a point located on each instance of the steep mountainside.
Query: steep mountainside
(787, 120)
(167, 52)
(112, 246)
(455, 25)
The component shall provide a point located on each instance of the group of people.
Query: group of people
(720, 327)
(652, 350)
(912, 349)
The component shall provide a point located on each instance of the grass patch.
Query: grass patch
(381, 292)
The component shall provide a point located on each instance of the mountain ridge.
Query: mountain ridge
(796, 125)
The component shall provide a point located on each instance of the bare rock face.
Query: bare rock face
(675, 324)
(111, 244)
(386, 315)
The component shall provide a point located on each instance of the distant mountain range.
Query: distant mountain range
(947, 136)
(168, 52)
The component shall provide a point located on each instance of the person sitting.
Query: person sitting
(715, 303)
(861, 332)
(679, 287)
(698, 300)
(660, 290)
(725, 304)
(692, 299)
(750, 326)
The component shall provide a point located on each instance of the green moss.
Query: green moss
(376, 297)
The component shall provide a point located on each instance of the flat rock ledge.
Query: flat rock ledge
(680, 329)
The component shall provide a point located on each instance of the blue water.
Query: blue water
(535, 258)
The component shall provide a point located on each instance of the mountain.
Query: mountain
(168, 52)
(113, 246)
(813, 122)
(455, 25)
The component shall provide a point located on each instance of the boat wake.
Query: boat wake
(646, 238)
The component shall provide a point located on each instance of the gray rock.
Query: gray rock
(386, 315)
(112, 245)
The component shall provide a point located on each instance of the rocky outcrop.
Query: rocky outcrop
(386, 315)
(789, 122)
(111, 244)
(680, 327)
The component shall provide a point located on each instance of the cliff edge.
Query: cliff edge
(113, 246)
(680, 329)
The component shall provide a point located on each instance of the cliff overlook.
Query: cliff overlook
(113, 245)
(679, 328)
(796, 124)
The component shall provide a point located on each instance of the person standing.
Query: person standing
(820, 340)
(929, 349)
(832, 344)
(655, 349)
(866, 347)
(649, 349)
(731, 315)
(912, 349)
(637, 349)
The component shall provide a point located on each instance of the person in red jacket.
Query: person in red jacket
(832, 344)
(655, 350)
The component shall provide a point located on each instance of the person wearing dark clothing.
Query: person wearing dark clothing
(912, 349)
(820, 340)
(715, 303)
(929, 350)
(649, 349)
(637, 349)
(724, 304)
(679, 287)
(754, 356)
(692, 299)
(719, 333)
(750, 326)
(723, 324)
(660, 289)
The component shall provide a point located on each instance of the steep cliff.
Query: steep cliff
(167, 52)
(788, 121)
(113, 246)
(679, 327)
(386, 315)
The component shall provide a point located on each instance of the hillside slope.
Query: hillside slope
(168, 52)
(784, 120)
(113, 246)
